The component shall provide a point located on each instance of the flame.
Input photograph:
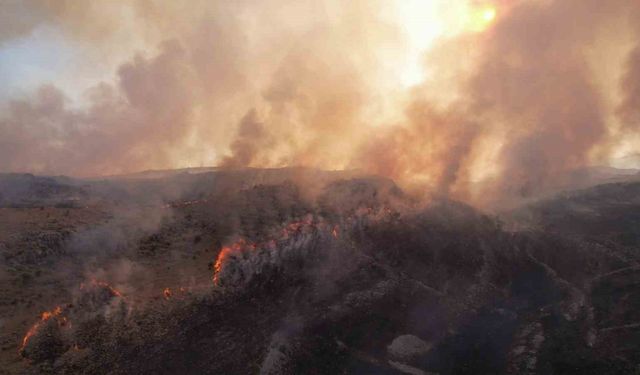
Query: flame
(225, 252)
(170, 293)
(114, 292)
(288, 230)
(222, 256)
(57, 311)
(296, 226)
(45, 316)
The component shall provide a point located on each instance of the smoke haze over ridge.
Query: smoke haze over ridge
(513, 94)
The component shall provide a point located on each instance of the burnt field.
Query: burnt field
(299, 271)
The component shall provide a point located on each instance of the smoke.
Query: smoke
(246, 146)
(537, 86)
(527, 111)
(177, 101)
(629, 109)
(120, 126)
(504, 112)
(139, 121)
(429, 149)
(16, 19)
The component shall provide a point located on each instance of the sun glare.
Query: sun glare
(424, 22)
(422, 26)
(480, 18)
(489, 14)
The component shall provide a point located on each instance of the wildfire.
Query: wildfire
(225, 252)
(45, 316)
(114, 292)
(167, 293)
(222, 256)
(56, 313)
(288, 230)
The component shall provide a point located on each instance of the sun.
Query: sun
(481, 17)
(489, 14)
(423, 22)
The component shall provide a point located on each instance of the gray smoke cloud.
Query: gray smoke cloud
(530, 95)
(629, 109)
(505, 112)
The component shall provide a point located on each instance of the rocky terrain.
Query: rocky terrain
(298, 271)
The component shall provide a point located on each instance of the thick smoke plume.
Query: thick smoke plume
(505, 109)
(527, 112)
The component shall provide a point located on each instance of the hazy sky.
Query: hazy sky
(432, 93)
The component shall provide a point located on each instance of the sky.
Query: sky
(444, 95)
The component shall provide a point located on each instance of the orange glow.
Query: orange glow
(167, 293)
(480, 18)
(489, 14)
(287, 231)
(45, 316)
(114, 292)
(57, 311)
(222, 256)
(225, 252)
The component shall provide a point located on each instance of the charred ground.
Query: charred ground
(322, 273)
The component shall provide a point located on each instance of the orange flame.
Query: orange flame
(288, 229)
(63, 320)
(225, 252)
(43, 318)
(167, 293)
(222, 256)
(114, 292)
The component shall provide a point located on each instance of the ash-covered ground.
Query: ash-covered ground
(299, 271)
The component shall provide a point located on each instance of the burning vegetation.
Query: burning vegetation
(56, 333)
(55, 313)
(241, 261)
(359, 278)
(167, 293)
(101, 286)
